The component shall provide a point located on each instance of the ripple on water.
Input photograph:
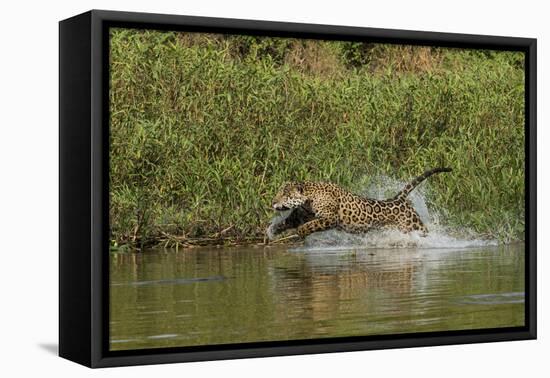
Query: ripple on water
(493, 299)
(175, 281)
(164, 336)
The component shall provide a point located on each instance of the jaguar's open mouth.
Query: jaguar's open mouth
(280, 208)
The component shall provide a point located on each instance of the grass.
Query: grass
(205, 128)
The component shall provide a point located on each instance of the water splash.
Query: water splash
(277, 219)
(382, 239)
(440, 236)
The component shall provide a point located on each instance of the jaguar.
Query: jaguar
(319, 206)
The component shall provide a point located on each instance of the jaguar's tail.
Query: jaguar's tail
(413, 184)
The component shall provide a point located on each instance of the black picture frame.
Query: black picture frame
(83, 193)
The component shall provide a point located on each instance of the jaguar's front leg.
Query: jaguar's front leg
(318, 224)
(296, 218)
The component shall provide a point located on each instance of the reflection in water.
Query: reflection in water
(164, 298)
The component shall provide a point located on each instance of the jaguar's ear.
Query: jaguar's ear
(299, 187)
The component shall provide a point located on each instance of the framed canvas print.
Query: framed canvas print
(234, 188)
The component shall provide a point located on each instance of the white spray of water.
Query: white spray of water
(277, 219)
(439, 235)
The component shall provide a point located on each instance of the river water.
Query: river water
(169, 298)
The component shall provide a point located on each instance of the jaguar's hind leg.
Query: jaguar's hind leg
(412, 223)
(422, 229)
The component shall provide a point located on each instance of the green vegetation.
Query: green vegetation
(205, 128)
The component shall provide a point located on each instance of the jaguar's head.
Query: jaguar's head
(290, 196)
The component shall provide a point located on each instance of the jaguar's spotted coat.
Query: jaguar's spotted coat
(319, 206)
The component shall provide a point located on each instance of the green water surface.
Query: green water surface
(168, 298)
